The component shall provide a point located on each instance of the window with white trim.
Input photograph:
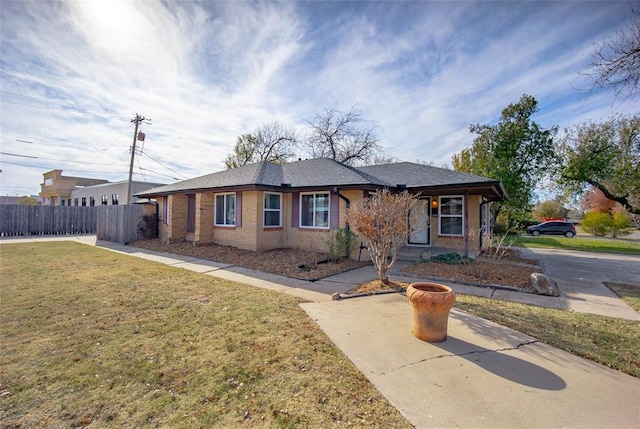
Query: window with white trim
(225, 209)
(272, 209)
(314, 210)
(451, 215)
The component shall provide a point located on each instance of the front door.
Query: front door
(419, 218)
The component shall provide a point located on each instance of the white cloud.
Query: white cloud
(75, 72)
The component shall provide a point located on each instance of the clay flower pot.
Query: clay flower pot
(431, 303)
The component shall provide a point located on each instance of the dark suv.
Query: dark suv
(555, 227)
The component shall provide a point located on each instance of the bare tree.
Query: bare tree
(344, 137)
(269, 142)
(382, 221)
(616, 60)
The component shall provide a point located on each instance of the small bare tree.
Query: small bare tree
(270, 142)
(344, 137)
(615, 63)
(382, 221)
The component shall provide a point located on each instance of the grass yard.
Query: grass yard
(607, 340)
(587, 244)
(629, 294)
(92, 337)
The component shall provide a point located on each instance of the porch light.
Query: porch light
(434, 203)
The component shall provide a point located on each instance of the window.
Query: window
(114, 199)
(84, 201)
(225, 209)
(75, 201)
(314, 210)
(63, 203)
(104, 200)
(272, 209)
(92, 201)
(451, 210)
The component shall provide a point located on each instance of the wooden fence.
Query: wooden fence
(126, 223)
(46, 220)
(119, 224)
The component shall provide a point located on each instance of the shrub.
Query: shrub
(621, 224)
(340, 244)
(452, 259)
(597, 223)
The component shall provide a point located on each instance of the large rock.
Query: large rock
(542, 284)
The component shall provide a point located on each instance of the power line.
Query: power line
(161, 164)
(54, 159)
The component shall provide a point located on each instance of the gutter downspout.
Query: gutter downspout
(336, 191)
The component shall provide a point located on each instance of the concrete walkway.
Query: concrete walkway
(483, 375)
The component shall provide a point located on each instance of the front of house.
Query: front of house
(267, 206)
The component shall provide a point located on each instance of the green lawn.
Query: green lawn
(93, 338)
(584, 243)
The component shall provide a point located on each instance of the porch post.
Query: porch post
(465, 213)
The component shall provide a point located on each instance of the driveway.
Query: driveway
(580, 276)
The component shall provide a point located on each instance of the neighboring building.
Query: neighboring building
(265, 206)
(112, 193)
(56, 188)
(59, 190)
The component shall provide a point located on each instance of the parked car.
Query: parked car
(555, 227)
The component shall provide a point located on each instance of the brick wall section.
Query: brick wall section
(253, 236)
(243, 237)
(204, 218)
(177, 228)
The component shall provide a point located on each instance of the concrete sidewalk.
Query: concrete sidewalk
(483, 375)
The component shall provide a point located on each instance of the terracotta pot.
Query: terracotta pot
(431, 303)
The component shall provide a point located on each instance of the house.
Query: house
(265, 206)
(59, 190)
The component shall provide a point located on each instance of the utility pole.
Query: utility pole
(137, 121)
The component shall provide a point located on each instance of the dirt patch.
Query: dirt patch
(509, 270)
(295, 263)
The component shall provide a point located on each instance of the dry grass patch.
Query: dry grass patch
(607, 340)
(628, 293)
(91, 337)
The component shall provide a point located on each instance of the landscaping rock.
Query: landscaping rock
(542, 284)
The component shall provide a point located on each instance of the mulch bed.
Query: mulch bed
(295, 263)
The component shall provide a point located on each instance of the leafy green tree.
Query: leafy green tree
(597, 223)
(516, 151)
(269, 142)
(621, 223)
(606, 156)
(550, 209)
(28, 201)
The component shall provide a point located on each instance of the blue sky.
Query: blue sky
(74, 73)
